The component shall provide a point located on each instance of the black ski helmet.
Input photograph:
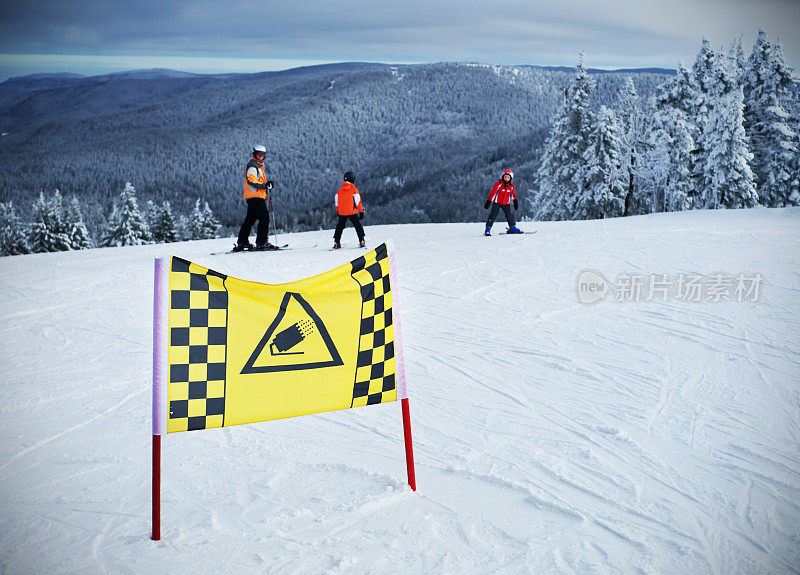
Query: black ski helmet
(349, 177)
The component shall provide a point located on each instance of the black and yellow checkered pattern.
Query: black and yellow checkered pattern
(375, 369)
(197, 347)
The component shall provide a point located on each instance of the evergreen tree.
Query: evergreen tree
(13, 236)
(671, 142)
(703, 80)
(561, 174)
(603, 189)
(632, 128)
(728, 180)
(196, 226)
(163, 227)
(794, 197)
(703, 72)
(736, 60)
(126, 226)
(768, 125)
(150, 214)
(79, 237)
(669, 158)
(547, 202)
(49, 232)
(680, 92)
(210, 223)
(183, 230)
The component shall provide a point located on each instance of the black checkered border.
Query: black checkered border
(375, 367)
(197, 347)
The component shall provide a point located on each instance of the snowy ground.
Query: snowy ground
(550, 435)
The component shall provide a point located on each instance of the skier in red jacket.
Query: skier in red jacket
(501, 196)
(348, 207)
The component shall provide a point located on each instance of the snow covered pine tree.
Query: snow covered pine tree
(163, 226)
(603, 190)
(13, 236)
(561, 173)
(79, 236)
(126, 226)
(773, 143)
(727, 178)
(49, 232)
(671, 139)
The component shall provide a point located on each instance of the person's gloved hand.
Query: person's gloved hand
(270, 184)
(486, 205)
(516, 205)
(360, 215)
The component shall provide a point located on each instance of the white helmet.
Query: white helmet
(259, 148)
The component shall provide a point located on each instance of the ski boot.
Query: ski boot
(266, 247)
(337, 245)
(487, 232)
(514, 230)
(362, 243)
(243, 247)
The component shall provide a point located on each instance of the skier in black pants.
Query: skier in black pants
(256, 186)
(501, 196)
(348, 207)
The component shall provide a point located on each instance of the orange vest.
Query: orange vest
(254, 174)
(348, 200)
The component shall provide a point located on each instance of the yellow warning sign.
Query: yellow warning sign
(242, 351)
(296, 339)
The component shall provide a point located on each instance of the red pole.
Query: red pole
(412, 481)
(156, 536)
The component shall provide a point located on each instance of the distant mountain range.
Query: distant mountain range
(426, 141)
(45, 76)
(160, 73)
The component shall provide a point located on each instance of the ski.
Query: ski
(517, 234)
(345, 246)
(273, 249)
(270, 249)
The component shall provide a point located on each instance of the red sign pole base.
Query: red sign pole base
(412, 481)
(156, 536)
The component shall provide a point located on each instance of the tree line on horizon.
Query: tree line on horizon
(723, 134)
(56, 227)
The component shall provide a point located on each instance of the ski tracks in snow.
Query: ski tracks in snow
(630, 397)
(550, 436)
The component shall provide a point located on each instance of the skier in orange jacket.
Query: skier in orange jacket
(348, 207)
(256, 188)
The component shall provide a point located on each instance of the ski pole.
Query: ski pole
(271, 219)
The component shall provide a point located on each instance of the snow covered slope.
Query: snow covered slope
(550, 435)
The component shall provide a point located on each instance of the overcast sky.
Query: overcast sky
(100, 36)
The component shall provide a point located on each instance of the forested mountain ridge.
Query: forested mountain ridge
(426, 141)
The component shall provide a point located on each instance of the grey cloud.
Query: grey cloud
(505, 31)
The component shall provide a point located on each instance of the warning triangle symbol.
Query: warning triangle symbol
(297, 339)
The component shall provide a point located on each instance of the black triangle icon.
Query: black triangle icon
(336, 359)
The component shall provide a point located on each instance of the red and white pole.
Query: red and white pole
(412, 480)
(156, 535)
(160, 327)
(400, 367)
